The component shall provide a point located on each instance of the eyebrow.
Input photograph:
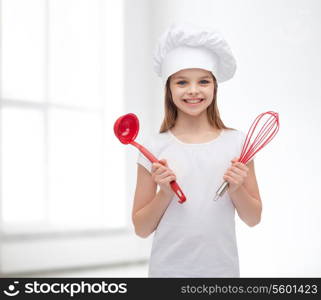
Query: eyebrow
(177, 77)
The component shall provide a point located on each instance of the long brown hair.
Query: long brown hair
(170, 117)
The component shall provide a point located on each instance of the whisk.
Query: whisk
(250, 148)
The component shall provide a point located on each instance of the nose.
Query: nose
(192, 89)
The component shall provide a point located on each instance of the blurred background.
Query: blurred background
(69, 69)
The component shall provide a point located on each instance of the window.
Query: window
(58, 155)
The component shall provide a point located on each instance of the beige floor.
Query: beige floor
(133, 270)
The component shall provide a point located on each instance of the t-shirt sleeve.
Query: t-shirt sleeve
(141, 159)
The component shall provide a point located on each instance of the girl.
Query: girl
(196, 238)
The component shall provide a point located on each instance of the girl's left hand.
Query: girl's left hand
(235, 175)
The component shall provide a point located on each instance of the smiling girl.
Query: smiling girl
(196, 238)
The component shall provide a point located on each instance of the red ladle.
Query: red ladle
(126, 129)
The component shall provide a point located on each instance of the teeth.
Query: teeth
(193, 101)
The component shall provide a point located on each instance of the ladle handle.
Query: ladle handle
(175, 187)
(178, 191)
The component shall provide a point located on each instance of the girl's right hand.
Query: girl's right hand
(163, 175)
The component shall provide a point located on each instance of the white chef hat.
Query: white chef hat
(185, 46)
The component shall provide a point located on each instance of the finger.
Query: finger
(158, 168)
(235, 177)
(229, 179)
(163, 162)
(165, 174)
(160, 171)
(167, 179)
(155, 166)
(241, 166)
(237, 171)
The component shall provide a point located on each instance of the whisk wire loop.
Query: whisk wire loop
(266, 133)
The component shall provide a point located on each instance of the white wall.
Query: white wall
(277, 45)
(138, 90)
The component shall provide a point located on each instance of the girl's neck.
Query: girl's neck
(194, 130)
(193, 125)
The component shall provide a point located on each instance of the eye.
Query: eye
(181, 82)
(205, 81)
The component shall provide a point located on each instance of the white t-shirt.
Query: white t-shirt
(196, 238)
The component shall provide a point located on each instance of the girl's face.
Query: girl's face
(192, 90)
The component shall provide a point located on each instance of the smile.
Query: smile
(193, 101)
